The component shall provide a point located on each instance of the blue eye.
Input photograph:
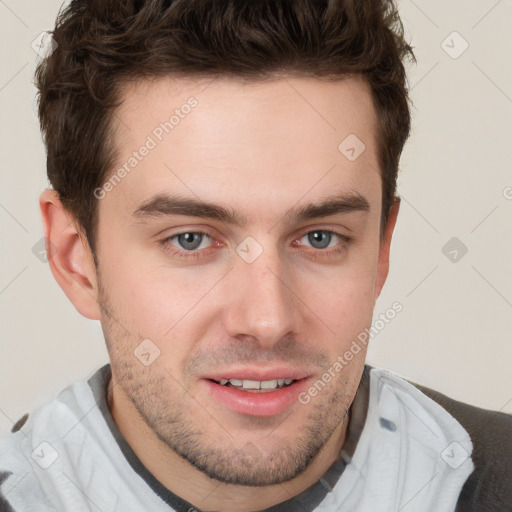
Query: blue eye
(319, 239)
(190, 240)
(319, 243)
(323, 239)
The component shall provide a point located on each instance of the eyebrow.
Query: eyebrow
(341, 204)
(164, 204)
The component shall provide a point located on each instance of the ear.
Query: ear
(385, 244)
(69, 255)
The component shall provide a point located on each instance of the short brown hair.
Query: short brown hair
(102, 44)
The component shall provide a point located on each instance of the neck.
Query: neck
(190, 484)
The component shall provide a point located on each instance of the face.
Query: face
(243, 247)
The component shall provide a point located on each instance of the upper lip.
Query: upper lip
(259, 374)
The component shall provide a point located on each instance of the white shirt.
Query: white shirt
(412, 455)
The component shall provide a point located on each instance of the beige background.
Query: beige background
(456, 181)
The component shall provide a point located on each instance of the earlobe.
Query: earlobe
(384, 249)
(69, 255)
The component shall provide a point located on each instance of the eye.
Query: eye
(322, 239)
(190, 240)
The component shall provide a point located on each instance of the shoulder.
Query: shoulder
(36, 454)
(489, 487)
(18, 476)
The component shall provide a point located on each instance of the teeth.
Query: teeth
(269, 384)
(252, 384)
(256, 384)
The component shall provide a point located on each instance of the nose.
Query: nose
(263, 306)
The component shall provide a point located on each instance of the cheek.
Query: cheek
(344, 300)
(155, 302)
(141, 302)
(346, 310)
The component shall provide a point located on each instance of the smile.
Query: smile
(270, 396)
(259, 386)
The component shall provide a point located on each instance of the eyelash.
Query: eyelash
(197, 253)
(333, 251)
(166, 242)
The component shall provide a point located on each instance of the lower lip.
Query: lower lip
(265, 404)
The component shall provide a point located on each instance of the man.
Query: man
(223, 201)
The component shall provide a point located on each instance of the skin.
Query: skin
(261, 149)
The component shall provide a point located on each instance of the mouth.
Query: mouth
(262, 395)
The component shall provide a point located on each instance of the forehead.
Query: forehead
(243, 142)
